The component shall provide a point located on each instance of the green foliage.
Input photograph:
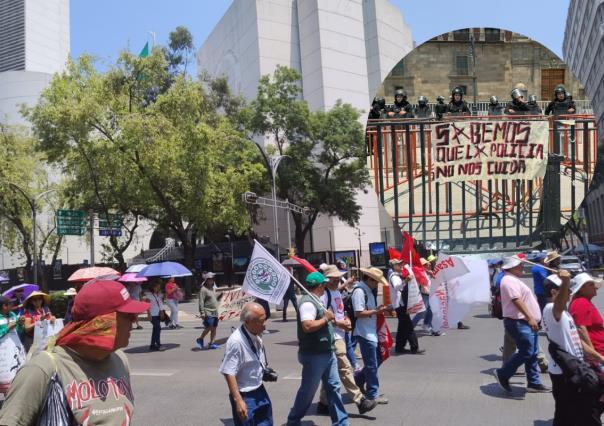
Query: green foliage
(180, 48)
(58, 303)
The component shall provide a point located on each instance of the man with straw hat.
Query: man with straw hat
(366, 311)
(552, 260)
(584, 312)
(332, 299)
(521, 317)
(315, 353)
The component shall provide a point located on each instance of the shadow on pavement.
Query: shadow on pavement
(495, 391)
(290, 343)
(543, 422)
(227, 422)
(482, 316)
(145, 348)
(491, 357)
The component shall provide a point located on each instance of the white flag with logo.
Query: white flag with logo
(265, 278)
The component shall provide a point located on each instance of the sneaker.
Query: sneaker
(199, 343)
(537, 389)
(213, 346)
(171, 326)
(437, 333)
(364, 406)
(418, 352)
(322, 409)
(462, 326)
(381, 399)
(426, 328)
(179, 326)
(503, 384)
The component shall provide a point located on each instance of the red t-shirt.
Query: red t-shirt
(586, 314)
(170, 289)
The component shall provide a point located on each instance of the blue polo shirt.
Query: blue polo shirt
(539, 276)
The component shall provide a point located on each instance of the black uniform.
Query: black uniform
(458, 108)
(439, 109)
(375, 113)
(495, 109)
(534, 108)
(399, 107)
(557, 107)
(423, 111)
(517, 108)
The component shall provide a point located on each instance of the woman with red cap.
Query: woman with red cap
(87, 358)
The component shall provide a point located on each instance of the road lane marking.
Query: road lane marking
(153, 373)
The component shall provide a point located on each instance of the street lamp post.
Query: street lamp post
(34, 208)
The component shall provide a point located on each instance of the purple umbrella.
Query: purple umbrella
(27, 290)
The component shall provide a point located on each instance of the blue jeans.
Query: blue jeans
(156, 331)
(367, 378)
(259, 408)
(527, 342)
(316, 368)
(350, 345)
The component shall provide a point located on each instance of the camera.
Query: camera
(269, 375)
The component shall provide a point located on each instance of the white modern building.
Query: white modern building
(583, 50)
(342, 49)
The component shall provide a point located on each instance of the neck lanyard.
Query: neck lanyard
(251, 343)
(156, 300)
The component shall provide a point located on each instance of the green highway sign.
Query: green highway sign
(71, 222)
(111, 224)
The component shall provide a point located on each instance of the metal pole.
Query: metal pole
(289, 228)
(33, 221)
(91, 219)
(275, 224)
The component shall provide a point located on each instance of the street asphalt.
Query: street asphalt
(452, 384)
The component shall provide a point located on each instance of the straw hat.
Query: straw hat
(552, 255)
(70, 292)
(45, 296)
(374, 273)
(332, 271)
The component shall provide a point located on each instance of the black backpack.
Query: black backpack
(349, 309)
(580, 376)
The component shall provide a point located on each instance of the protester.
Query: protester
(70, 293)
(572, 408)
(539, 275)
(135, 290)
(17, 302)
(552, 260)
(424, 288)
(521, 320)
(88, 356)
(586, 315)
(315, 353)
(8, 319)
(332, 299)
(173, 296)
(244, 366)
(208, 309)
(157, 313)
(365, 331)
(35, 308)
(290, 296)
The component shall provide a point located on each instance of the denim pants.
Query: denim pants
(367, 378)
(316, 368)
(527, 342)
(350, 345)
(156, 331)
(259, 408)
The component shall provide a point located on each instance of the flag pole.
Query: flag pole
(304, 289)
(537, 264)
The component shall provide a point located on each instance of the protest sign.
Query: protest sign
(447, 268)
(489, 149)
(232, 303)
(12, 358)
(43, 331)
(415, 303)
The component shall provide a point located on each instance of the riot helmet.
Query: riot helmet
(422, 100)
(456, 91)
(560, 90)
(379, 101)
(532, 99)
(440, 99)
(569, 95)
(493, 100)
(401, 93)
(516, 94)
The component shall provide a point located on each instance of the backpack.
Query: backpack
(349, 309)
(579, 375)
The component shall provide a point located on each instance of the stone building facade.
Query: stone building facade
(503, 60)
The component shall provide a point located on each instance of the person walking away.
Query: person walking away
(87, 356)
(35, 308)
(208, 309)
(315, 353)
(572, 408)
(173, 297)
(366, 311)
(135, 291)
(521, 320)
(584, 312)
(156, 311)
(243, 367)
(290, 296)
(332, 300)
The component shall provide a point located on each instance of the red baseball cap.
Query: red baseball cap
(103, 297)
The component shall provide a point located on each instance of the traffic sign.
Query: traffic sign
(71, 222)
(111, 225)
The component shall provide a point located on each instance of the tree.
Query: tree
(176, 158)
(180, 48)
(326, 149)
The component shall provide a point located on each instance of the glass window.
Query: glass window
(461, 35)
(492, 34)
(462, 65)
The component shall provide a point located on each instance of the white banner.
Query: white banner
(415, 303)
(489, 149)
(447, 268)
(43, 330)
(265, 278)
(12, 358)
(232, 303)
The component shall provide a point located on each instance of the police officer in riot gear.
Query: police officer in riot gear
(457, 106)
(517, 106)
(561, 104)
(423, 110)
(401, 108)
(534, 107)
(377, 108)
(440, 108)
(495, 108)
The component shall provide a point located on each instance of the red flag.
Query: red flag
(385, 340)
(409, 254)
(394, 253)
(304, 263)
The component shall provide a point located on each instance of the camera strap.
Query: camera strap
(253, 347)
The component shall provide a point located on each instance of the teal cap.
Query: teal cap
(315, 278)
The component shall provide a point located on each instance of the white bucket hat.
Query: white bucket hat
(555, 279)
(511, 262)
(582, 279)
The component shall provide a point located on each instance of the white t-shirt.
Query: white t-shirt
(564, 333)
(337, 307)
(157, 303)
(240, 361)
(308, 311)
(396, 286)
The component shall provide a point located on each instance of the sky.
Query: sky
(103, 28)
